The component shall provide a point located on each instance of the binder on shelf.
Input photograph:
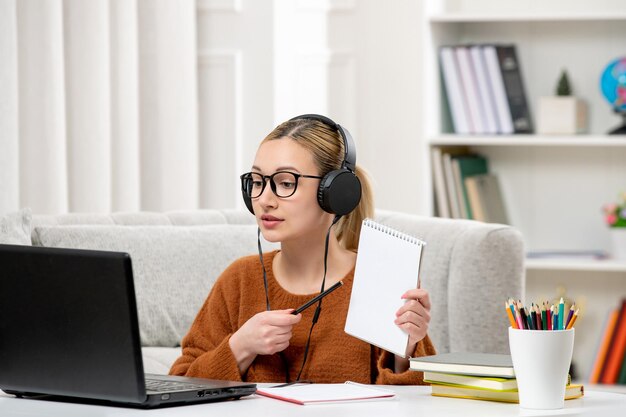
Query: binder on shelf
(505, 121)
(514, 87)
(485, 91)
(454, 90)
(383, 252)
(476, 110)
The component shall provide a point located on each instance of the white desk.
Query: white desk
(411, 401)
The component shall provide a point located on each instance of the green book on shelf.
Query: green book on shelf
(465, 166)
(470, 381)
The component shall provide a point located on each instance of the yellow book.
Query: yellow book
(509, 396)
(470, 381)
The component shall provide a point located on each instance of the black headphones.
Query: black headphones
(340, 190)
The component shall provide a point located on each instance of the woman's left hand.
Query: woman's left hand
(413, 317)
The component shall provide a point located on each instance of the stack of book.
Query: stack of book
(464, 187)
(484, 89)
(478, 376)
(609, 366)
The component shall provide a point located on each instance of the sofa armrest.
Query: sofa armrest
(486, 268)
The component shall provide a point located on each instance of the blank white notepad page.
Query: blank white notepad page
(387, 265)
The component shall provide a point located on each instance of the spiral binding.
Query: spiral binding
(393, 232)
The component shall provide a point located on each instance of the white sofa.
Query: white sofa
(470, 268)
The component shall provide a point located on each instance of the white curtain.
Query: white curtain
(98, 105)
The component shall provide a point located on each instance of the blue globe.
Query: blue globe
(613, 84)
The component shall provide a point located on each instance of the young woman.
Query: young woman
(246, 330)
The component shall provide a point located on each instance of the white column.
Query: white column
(168, 103)
(125, 192)
(88, 104)
(9, 150)
(43, 176)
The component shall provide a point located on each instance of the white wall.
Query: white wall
(358, 62)
(387, 42)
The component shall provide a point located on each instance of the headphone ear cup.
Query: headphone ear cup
(339, 192)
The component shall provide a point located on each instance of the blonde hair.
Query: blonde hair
(327, 148)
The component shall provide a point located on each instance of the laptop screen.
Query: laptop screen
(68, 324)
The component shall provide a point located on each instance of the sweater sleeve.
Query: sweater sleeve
(386, 365)
(205, 349)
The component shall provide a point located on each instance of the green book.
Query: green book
(466, 166)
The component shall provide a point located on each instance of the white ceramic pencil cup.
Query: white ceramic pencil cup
(541, 359)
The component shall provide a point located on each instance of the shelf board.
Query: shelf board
(529, 140)
(526, 17)
(562, 264)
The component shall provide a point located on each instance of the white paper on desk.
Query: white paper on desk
(387, 265)
(323, 393)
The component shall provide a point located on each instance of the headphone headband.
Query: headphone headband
(349, 158)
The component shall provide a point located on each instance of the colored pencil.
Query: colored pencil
(510, 315)
(510, 300)
(538, 315)
(518, 317)
(561, 314)
(529, 319)
(573, 320)
(544, 317)
(569, 316)
(549, 315)
(555, 321)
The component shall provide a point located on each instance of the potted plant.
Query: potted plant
(563, 114)
(615, 218)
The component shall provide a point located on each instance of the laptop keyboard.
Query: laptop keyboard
(168, 386)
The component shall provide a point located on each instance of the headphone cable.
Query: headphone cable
(318, 309)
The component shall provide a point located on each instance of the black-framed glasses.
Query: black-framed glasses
(283, 183)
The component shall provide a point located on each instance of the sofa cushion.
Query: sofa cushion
(174, 266)
(15, 227)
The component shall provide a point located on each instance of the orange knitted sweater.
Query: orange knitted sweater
(334, 356)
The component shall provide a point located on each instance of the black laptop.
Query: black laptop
(69, 330)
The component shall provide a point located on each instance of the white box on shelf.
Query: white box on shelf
(561, 115)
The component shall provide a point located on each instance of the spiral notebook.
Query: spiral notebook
(387, 265)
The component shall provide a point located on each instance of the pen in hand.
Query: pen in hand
(317, 298)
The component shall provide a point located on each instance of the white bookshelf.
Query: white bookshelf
(553, 186)
(526, 17)
(585, 265)
(573, 141)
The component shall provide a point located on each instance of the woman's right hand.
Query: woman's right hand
(264, 333)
